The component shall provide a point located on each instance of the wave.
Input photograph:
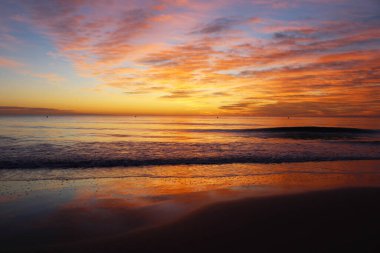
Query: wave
(302, 132)
(108, 163)
(313, 129)
(7, 138)
(70, 176)
(306, 129)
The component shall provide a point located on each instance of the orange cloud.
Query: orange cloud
(218, 57)
(9, 63)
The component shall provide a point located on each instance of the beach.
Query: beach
(120, 184)
(293, 206)
(322, 221)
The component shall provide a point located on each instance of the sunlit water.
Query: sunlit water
(108, 175)
(89, 142)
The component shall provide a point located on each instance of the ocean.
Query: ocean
(72, 142)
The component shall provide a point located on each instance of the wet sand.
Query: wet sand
(303, 207)
(344, 220)
(341, 220)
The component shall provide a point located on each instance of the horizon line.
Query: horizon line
(190, 115)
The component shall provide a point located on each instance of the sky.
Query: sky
(182, 57)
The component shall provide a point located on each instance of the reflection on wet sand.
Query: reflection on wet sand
(46, 211)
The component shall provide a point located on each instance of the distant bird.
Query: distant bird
(47, 116)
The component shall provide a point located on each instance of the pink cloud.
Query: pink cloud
(9, 63)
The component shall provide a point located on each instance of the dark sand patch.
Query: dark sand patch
(345, 220)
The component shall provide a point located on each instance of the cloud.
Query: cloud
(180, 94)
(218, 25)
(236, 106)
(15, 110)
(277, 4)
(49, 77)
(100, 36)
(159, 60)
(223, 24)
(294, 35)
(9, 63)
(303, 109)
(320, 108)
(213, 54)
(221, 93)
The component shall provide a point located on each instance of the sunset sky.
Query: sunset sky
(182, 57)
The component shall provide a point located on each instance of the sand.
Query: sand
(340, 220)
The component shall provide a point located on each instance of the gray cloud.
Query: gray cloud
(180, 94)
(223, 24)
(15, 110)
(217, 25)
